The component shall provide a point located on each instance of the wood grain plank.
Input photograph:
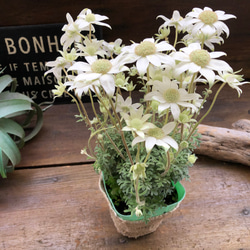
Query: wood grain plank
(60, 140)
(62, 208)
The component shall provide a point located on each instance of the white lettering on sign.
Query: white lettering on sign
(35, 66)
(37, 45)
(39, 80)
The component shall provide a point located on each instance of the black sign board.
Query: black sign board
(24, 51)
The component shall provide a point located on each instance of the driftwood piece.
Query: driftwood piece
(226, 144)
(242, 124)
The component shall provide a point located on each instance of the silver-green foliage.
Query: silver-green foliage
(153, 189)
(12, 133)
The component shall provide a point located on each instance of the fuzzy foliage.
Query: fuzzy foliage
(155, 188)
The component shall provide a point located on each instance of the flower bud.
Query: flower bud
(184, 144)
(130, 87)
(94, 121)
(138, 212)
(154, 105)
(192, 158)
(183, 118)
(209, 91)
(104, 105)
(100, 137)
(133, 71)
(139, 170)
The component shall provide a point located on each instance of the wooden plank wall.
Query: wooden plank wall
(136, 19)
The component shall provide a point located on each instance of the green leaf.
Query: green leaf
(11, 107)
(9, 148)
(11, 127)
(7, 95)
(39, 123)
(2, 166)
(4, 82)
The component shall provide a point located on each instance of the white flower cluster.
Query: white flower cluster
(167, 73)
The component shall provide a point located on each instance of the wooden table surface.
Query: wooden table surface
(52, 200)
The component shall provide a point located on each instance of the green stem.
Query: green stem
(116, 148)
(182, 129)
(148, 154)
(191, 87)
(90, 33)
(108, 111)
(121, 132)
(77, 104)
(138, 152)
(168, 165)
(176, 36)
(136, 186)
(210, 108)
(84, 111)
(204, 100)
(93, 106)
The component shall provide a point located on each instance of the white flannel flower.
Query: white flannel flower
(195, 59)
(80, 84)
(61, 63)
(176, 21)
(146, 52)
(59, 90)
(124, 105)
(87, 19)
(72, 32)
(208, 21)
(170, 96)
(157, 73)
(100, 70)
(91, 48)
(233, 80)
(136, 121)
(158, 136)
(208, 40)
(113, 47)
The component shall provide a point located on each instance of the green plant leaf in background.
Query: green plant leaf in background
(9, 148)
(12, 134)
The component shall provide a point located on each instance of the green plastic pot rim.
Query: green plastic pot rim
(159, 211)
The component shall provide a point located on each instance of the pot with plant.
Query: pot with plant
(145, 142)
(16, 113)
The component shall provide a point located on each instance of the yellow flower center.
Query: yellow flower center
(145, 48)
(172, 95)
(90, 18)
(91, 50)
(101, 66)
(157, 133)
(208, 17)
(200, 57)
(136, 123)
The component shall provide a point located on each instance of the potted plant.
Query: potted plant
(145, 142)
(16, 113)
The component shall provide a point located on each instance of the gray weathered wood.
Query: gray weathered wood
(224, 144)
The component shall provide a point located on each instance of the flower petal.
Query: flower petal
(175, 110)
(150, 142)
(208, 74)
(142, 65)
(108, 84)
(137, 140)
